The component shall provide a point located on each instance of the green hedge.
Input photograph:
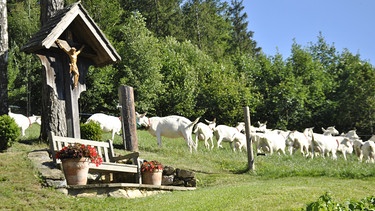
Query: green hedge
(9, 132)
(91, 131)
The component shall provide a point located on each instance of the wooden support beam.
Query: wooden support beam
(128, 118)
(250, 153)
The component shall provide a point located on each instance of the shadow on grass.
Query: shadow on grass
(31, 141)
(245, 170)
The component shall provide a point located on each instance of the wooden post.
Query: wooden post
(128, 118)
(71, 106)
(250, 153)
(71, 95)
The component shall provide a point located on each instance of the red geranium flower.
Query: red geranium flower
(151, 166)
(78, 150)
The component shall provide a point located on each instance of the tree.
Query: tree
(3, 58)
(180, 65)
(312, 84)
(24, 70)
(327, 56)
(355, 95)
(102, 93)
(205, 26)
(241, 39)
(163, 18)
(141, 65)
(53, 109)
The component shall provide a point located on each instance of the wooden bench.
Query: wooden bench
(110, 167)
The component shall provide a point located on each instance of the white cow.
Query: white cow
(107, 123)
(352, 134)
(365, 150)
(255, 137)
(22, 121)
(347, 142)
(169, 126)
(204, 133)
(330, 130)
(226, 133)
(326, 143)
(357, 145)
(262, 127)
(368, 151)
(272, 141)
(239, 140)
(257, 132)
(300, 141)
(345, 146)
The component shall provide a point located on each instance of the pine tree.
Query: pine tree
(242, 39)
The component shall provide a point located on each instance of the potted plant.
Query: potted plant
(152, 172)
(75, 160)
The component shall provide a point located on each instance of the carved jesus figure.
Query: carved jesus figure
(73, 55)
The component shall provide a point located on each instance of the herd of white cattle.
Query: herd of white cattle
(308, 143)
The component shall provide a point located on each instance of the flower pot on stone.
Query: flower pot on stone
(75, 170)
(75, 160)
(152, 172)
(152, 177)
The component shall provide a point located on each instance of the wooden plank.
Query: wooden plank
(114, 167)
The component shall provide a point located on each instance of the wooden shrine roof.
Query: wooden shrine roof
(85, 31)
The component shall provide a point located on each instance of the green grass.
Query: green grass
(279, 182)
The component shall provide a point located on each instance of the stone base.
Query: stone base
(121, 190)
(53, 177)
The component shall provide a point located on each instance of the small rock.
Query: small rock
(119, 193)
(168, 170)
(191, 182)
(134, 193)
(167, 180)
(185, 174)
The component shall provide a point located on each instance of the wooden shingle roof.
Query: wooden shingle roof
(85, 31)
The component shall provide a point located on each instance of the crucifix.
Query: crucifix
(73, 55)
(71, 69)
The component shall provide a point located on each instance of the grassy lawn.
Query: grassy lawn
(279, 182)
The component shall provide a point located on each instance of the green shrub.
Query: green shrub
(9, 132)
(325, 202)
(91, 131)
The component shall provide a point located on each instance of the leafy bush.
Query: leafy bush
(9, 132)
(325, 202)
(91, 131)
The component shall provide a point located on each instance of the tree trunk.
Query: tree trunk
(3, 58)
(53, 109)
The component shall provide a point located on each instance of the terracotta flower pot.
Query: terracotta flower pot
(76, 170)
(153, 178)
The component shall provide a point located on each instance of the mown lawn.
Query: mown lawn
(278, 183)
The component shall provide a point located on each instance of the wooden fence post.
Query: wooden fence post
(128, 118)
(250, 153)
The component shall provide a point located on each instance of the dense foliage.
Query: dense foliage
(326, 202)
(198, 58)
(91, 131)
(9, 132)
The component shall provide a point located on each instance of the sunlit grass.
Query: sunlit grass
(279, 182)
